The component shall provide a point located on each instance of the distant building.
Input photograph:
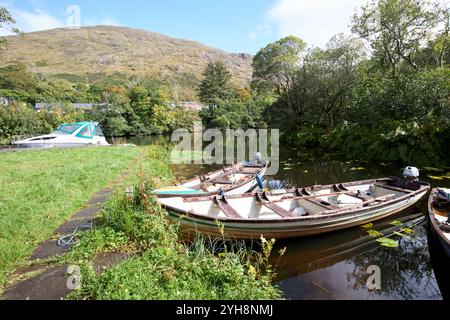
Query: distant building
(193, 106)
(83, 106)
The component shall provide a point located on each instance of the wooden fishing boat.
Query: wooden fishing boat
(292, 213)
(237, 179)
(439, 219)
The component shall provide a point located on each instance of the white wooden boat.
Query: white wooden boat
(439, 218)
(292, 213)
(237, 179)
(68, 135)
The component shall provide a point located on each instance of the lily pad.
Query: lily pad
(367, 226)
(432, 169)
(436, 178)
(402, 235)
(357, 169)
(396, 223)
(407, 230)
(375, 233)
(386, 242)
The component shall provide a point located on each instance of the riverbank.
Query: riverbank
(133, 252)
(40, 189)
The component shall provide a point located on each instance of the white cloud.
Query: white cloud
(36, 20)
(315, 21)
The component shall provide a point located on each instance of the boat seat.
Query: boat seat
(302, 192)
(392, 188)
(224, 206)
(222, 181)
(324, 204)
(248, 170)
(272, 206)
(361, 196)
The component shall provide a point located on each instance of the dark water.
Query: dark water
(335, 266)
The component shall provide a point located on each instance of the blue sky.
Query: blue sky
(231, 25)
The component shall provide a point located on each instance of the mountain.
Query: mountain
(113, 50)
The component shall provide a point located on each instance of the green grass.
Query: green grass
(39, 190)
(162, 265)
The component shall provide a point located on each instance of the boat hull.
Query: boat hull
(82, 134)
(434, 229)
(52, 145)
(289, 228)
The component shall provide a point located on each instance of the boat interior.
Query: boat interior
(282, 204)
(223, 180)
(441, 211)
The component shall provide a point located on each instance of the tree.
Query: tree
(5, 20)
(17, 77)
(216, 85)
(441, 45)
(324, 84)
(274, 66)
(395, 29)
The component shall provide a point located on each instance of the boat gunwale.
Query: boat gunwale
(329, 214)
(433, 221)
(238, 166)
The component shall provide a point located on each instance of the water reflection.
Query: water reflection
(441, 266)
(334, 266)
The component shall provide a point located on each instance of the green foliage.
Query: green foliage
(216, 86)
(234, 114)
(163, 266)
(97, 241)
(274, 66)
(18, 120)
(139, 109)
(392, 107)
(17, 77)
(395, 30)
(387, 242)
(39, 190)
(5, 20)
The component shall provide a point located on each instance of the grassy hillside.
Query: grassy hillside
(119, 50)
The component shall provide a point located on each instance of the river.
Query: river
(336, 265)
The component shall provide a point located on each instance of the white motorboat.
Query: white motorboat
(68, 135)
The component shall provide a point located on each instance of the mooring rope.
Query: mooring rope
(62, 242)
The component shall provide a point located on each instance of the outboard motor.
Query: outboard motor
(411, 179)
(275, 185)
(258, 158)
(411, 174)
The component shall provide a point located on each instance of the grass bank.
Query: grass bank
(40, 189)
(160, 264)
